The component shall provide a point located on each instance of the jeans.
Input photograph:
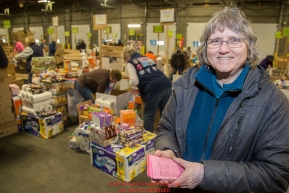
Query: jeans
(158, 101)
(30, 77)
(84, 91)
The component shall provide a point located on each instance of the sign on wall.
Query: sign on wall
(99, 22)
(55, 21)
(167, 15)
(6, 24)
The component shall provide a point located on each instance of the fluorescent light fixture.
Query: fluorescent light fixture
(133, 25)
(105, 5)
(36, 40)
(43, 1)
(4, 40)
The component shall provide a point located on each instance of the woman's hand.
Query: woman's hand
(191, 177)
(166, 154)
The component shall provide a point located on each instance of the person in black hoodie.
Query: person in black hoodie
(178, 63)
(32, 50)
(3, 64)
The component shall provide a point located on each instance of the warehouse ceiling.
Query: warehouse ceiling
(30, 6)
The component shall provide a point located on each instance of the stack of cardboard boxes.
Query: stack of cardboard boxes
(7, 122)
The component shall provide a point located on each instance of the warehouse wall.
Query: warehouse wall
(139, 13)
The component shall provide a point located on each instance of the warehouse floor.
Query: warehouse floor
(33, 164)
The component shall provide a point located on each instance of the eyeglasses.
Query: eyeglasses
(232, 42)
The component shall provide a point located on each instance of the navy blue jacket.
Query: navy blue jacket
(151, 79)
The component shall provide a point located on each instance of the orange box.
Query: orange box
(132, 104)
(138, 99)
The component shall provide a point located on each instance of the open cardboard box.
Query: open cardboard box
(119, 97)
(82, 118)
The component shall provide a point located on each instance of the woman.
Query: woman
(154, 87)
(226, 122)
(96, 81)
(32, 50)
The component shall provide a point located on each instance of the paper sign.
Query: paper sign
(89, 35)
(286, 31)
(66, 33)
(74, 30)
(278, 35)
(55, 21)
(179, 36)
(114, 35)
(131, 32)
(50, 30)
(170, 33)
(158, 29)
(6, 23)
(100, 19)
(167, 15)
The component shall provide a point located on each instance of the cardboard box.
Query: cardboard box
(8, 124)
(8, 130)
(5, 103)
(149, 142)
(6, 118)
(119, 97)
(21, 76)
(42, 127)
(10, 69)
(7, 80)
(5, 95)
(3, 73)
(122, 163)
(4, 88)
(5, 110)
(82, 118)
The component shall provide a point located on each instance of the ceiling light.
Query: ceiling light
(43, 1)
(105, 5)
(133, 25)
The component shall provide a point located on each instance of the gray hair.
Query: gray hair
(234, 19)
(127, 52)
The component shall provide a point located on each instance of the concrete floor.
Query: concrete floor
(33, 164)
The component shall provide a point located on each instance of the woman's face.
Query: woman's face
(225, 60)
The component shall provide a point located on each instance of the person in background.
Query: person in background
(266, 62)
(226, 123)
(18, 46)
(119, 43)
(153, 86)
(43, 44)
(81, 45)
(188, 52)
(52, 47)
(3, 65)
(178, 63)
(32, 50)
(151, 55)
(96, 81)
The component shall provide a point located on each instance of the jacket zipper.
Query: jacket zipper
(209, 129)
(235, 135)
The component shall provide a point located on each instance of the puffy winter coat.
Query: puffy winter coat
(251, 149)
